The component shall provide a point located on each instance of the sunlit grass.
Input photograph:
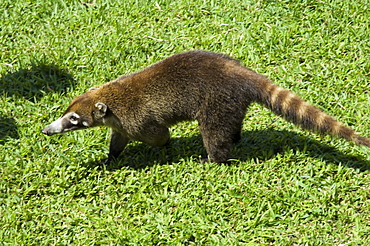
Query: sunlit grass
(286, 187)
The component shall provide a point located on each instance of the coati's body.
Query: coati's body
(208, 87)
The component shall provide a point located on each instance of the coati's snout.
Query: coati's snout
(68, 122)
(71, 121)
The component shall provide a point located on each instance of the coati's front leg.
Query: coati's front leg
(118, 143)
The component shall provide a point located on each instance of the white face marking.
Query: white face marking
(85, 123)
(66, 123)
(73, 118)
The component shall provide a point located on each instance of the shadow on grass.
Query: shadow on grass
(261, 145)
(266, 144)
(34, 82)
(30, 84)
(8, 128)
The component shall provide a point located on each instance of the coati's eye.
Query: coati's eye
(74, 119)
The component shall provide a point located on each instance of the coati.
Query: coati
(211, 88)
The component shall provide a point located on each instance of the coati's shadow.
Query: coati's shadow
(265, 144)
(8, 128)
(260, 144)
(139, 155)
(30, 83)
(34, 82)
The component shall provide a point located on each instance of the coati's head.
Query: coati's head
(83, 112)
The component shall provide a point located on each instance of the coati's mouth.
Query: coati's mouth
(72, 128)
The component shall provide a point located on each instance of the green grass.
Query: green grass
(286, 187)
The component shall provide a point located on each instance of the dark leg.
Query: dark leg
(117, 144)
(217, 143)
(219, 133)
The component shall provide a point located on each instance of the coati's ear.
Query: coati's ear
(92, 88)
(101, 110)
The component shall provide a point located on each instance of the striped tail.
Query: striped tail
(294, 109)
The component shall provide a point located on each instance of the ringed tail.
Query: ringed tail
(294, 109)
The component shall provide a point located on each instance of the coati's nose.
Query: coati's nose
(45, 131)
(54, 128)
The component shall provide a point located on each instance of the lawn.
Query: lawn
(286, 186)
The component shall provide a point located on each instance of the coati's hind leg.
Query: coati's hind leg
(218, 140)
(118, 143)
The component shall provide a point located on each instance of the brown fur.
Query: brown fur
(208, 87)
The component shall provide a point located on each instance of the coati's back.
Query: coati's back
(177, 88)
